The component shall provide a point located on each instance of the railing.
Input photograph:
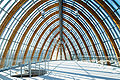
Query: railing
(37, 65)
(24, 67)
(113, 60)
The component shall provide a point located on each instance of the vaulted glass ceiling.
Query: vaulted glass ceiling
(30, 30)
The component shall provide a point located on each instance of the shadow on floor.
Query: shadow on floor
(51, 78)
(4, 77)
(91, 76)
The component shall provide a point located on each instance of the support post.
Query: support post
(10, 70)
(45, 64)
(61, 25)
(35, 65)
(48, 66)
(21, 68)
(39, 68)
(30, 69)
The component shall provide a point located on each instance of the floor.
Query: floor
(70, 70)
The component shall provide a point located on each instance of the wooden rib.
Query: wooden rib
(45, 42)
(50, 44)
(17, 51)
(93, 28)
(73, 27)
(36, 45)
(68, 49)
(24, 35)
(42, 35)
(57, 52)
(109, 11)
(118, 53)
(36, 32)
(104, 27)
(115, 48)
(78, 33)
(53, 48)
(27, 30)
(17, 28)
(72, 46)
(74, 39)
(10, 15)
(64, 52)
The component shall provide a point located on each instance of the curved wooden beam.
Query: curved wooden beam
(73, 35)
(17, 28)
(74, 27)
(53, 48)
(10, 15)
(57, 51)
(68, 49)
(112, 44)
(93, 28)
(78, 33)
(49, 47)
(45, 42)
(103, 26)
(72, 46)
(27, 30)
(109, 11)
(42, 35)
(17, 51)
(28, 47)
(74, 39)
(49, 44)
(64, 52)
(23, 37)
(36, 32)
(37, 42)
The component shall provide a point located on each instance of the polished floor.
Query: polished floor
(69, 70)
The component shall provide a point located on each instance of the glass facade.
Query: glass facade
(28, 27)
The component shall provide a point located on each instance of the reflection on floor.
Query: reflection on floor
(70, 70)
